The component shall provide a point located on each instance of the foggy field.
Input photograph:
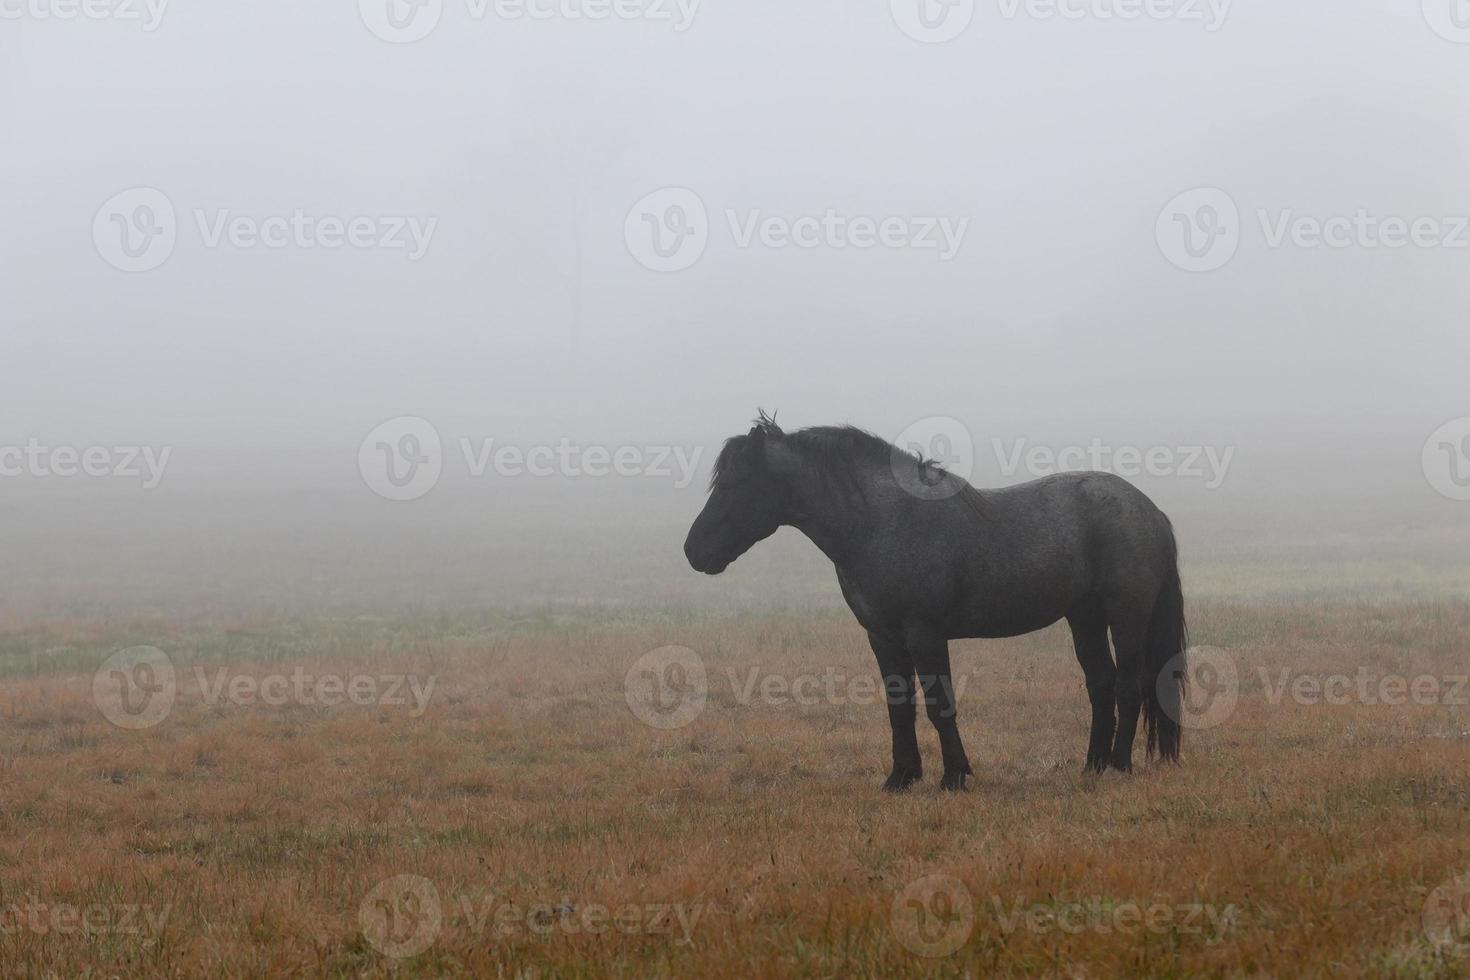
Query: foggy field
(505, 731)
(484, 485)
(547, 831)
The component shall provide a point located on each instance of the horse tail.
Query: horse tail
(1164, 667)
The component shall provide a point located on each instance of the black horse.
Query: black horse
(923, 558)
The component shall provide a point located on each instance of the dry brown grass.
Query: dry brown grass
(1311, 834)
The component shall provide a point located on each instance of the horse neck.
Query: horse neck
(833, 512)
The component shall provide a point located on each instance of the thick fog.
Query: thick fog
(248, 248)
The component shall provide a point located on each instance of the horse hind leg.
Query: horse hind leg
(1090, 641)
(1130, 639)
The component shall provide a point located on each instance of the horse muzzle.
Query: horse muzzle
(707, 564)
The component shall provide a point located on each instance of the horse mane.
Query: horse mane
(832, 451)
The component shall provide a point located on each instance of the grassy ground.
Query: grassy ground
(518, 818)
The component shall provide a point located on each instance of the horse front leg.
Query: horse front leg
(897, 669)
(930, 653)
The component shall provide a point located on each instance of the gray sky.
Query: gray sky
(1059, 141)
(1048, 148)
(1049, 228)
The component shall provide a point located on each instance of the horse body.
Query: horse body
(923, 558)
(1000, 570)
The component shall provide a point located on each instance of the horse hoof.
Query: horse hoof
(954, 782)
(899, 782)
